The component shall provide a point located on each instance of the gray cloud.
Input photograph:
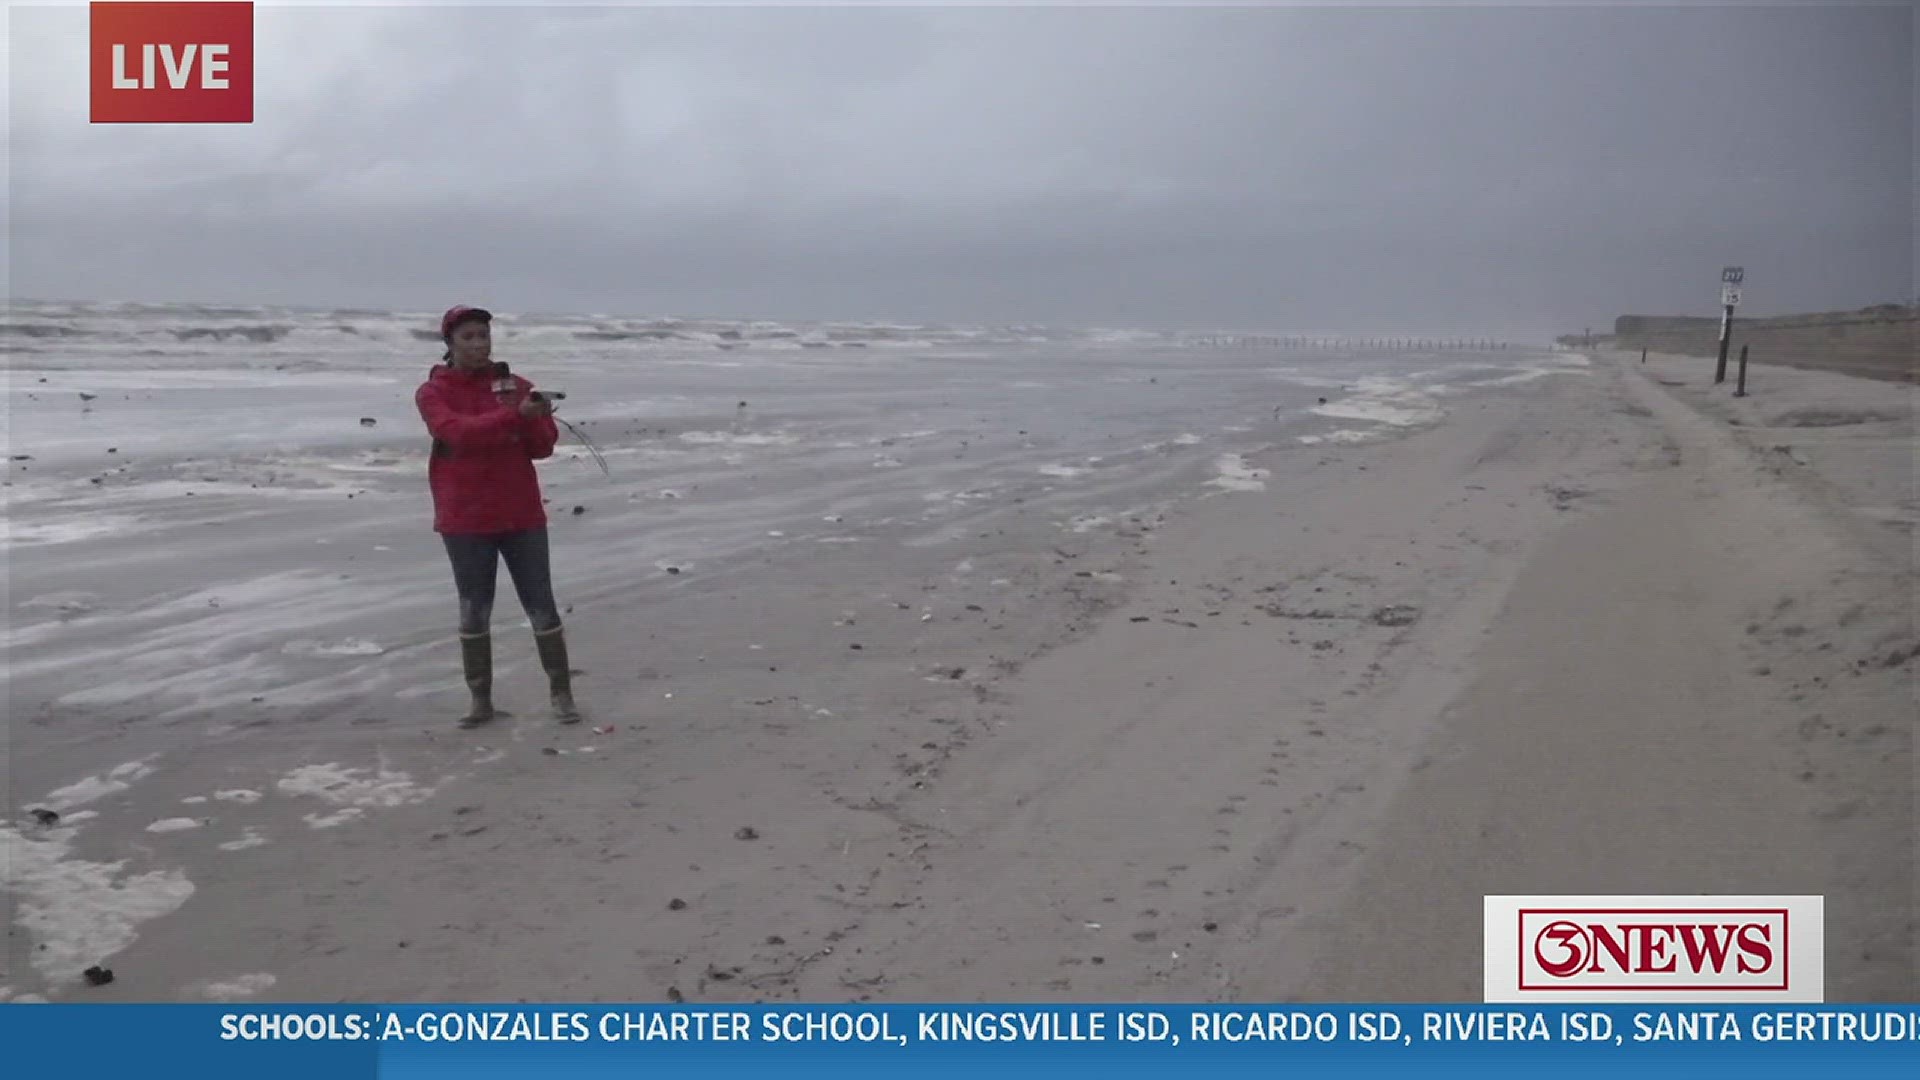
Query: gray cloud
(1486, 167)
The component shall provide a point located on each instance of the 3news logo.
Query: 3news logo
(1579, 949)
(171, 63)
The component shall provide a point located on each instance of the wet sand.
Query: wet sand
(1270, 742)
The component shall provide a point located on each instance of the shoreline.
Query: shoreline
(1186, 756)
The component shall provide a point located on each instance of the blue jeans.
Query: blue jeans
(476, 563)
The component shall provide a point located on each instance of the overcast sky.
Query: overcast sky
(1484, 168)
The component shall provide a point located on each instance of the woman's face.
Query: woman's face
(472, 345)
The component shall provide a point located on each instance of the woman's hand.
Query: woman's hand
(533, 407)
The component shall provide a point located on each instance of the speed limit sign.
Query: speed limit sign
(1730, 296)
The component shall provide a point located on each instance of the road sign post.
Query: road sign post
(1730, 279)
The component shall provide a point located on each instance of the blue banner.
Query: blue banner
(290, 1042)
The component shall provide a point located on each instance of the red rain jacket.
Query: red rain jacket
(481, 469)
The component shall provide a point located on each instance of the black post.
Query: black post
(1643, 354)
(1726, 339)
(1742, 390)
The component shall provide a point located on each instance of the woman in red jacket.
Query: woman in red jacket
(487, 432)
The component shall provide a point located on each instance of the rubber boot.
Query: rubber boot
(553, 657)
(476, 656)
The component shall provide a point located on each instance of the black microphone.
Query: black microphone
(503, 384)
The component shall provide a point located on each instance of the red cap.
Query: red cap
(461, 313)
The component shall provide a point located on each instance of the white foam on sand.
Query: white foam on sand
(169, 491)
(220, 645)
(78, 913)
(378, 463)
(1064, 472)
(345, 647)
(95, 788)
(1237, 474)
(101, 380)
(334, 820)
(20, 637)
(249, 593)
(1384, 401)
(355, 789)
(968, 496)
(1187, 440)
(208, 684)
(1344, 436)
(248, 839)
(1528, 375)
(66, 529)
(67, 604)
(22, 492)
(1089, 523)
(1296, 378)
(237, 795)
(174, 824)
(245, 986)
(729, 438)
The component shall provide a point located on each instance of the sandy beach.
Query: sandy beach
(1105, 670)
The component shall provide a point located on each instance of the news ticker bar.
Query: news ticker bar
(295, 1041)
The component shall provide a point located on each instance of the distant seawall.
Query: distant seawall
(1875, 342)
